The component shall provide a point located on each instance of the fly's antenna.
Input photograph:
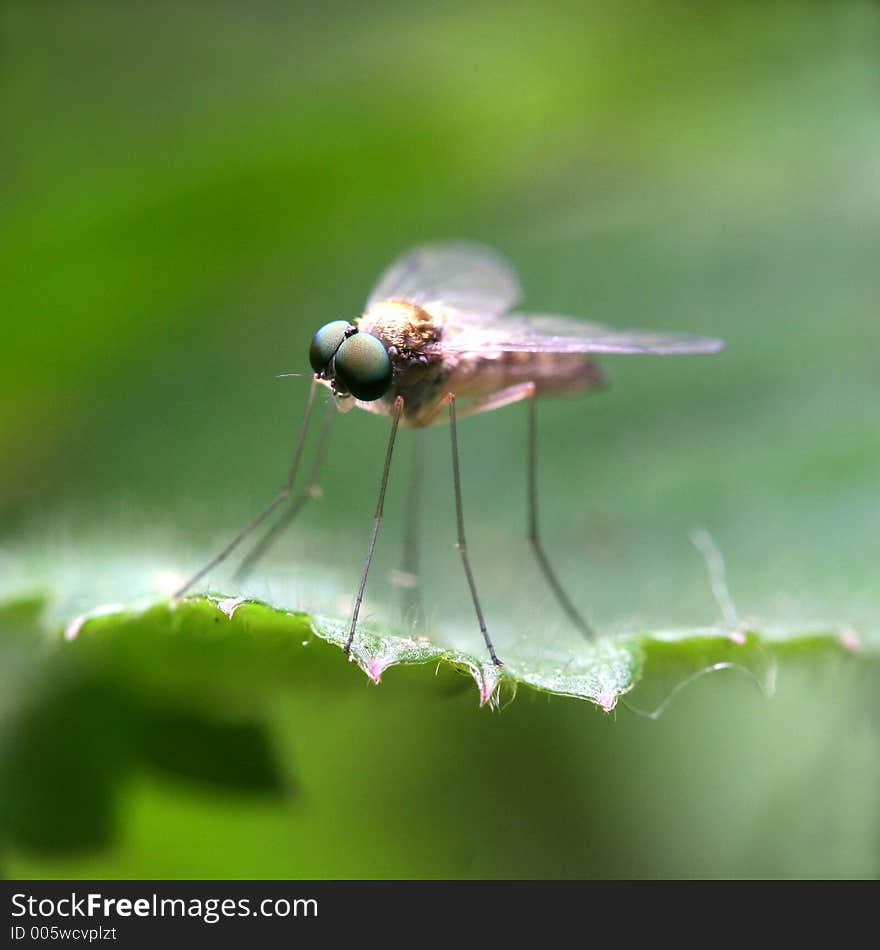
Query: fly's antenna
(294, 375)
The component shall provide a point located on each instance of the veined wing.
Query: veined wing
(458, 274)
(546, 333)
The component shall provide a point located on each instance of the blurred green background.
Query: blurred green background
(190, 190)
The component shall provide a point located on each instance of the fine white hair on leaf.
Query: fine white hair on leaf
(705, 544)
(767, 686)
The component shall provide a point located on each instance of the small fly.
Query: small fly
(438, 340)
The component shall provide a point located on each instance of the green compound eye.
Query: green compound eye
(326, 342)
(363, 367)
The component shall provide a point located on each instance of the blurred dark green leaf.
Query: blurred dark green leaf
(75, 730)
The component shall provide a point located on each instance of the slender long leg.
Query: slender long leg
(310, 491)
(276, 501)
(377, 520)
(462, 544)
(409, 560)
(504, 397)
(534, 537)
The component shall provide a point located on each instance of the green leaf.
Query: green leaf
(182, 689)
(241, 646)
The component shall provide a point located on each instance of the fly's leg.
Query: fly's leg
(276, 501)
(311, 490)
(462, 545)
(408, 575)
(377, 520)
(533, 535)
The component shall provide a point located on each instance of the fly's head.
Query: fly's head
(355, 363)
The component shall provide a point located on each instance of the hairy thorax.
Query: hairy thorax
(409, 333)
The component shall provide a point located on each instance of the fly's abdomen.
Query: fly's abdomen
(480, 375)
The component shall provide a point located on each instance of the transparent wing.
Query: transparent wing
(546, 333)
(458, 274)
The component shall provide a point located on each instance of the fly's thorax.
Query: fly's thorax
(405, 329)
(422, 385)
